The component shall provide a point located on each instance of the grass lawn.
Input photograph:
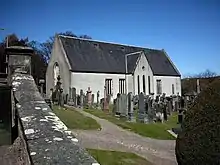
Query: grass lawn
(154, 130)
(75, 120)
(117, 158)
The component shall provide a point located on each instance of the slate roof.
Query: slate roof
(100, 57)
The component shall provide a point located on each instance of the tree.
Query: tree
(38, 64)
(46, 47)
(85, 36)
(199, 142)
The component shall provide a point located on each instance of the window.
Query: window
(149, 84)
(144, 89)
(138, 83)
(122, 86)
(108, 84)
(159, 87)
(173, 89)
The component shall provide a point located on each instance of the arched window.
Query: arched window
(144, 88)
(138, 83)
(56, 72)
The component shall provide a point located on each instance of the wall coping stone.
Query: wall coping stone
(48, 139)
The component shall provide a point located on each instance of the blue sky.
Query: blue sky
(189, 30)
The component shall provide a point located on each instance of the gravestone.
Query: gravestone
(81, 98)
(169, 106)
(74, 96)
(150, 111)
(117, 109)
(141, 108)
(114, 106)
(108, 99)
(102, 103)
(89, 97)
(130, 108)
(98, 95)
(66, 99)
(105, 103)
(93, 98)
(165, 110)
(61, 98)
(123, 106)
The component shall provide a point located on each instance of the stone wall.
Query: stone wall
(47, 139)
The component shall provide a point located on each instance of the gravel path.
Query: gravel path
(112, 137)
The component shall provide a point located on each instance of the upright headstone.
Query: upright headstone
(81, 98)
(89, 96)
(150, 111)
(74, 96)
(114, 106)
(141, 108)
(106, 104)
(98, 95)
(131, 107)
(165, 104)
(124, 106)
(61, 98)
(117, 109)
(93, 98)
(169, 106)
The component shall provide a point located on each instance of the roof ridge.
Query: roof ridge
(108, 42)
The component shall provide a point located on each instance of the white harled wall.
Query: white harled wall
(167, 82)
(96, 82)
(140, 71)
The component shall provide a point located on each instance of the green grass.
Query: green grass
(154, 130)
(76, 120)
(117, 158)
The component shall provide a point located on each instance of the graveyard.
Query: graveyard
(152, 130)
(125, 129)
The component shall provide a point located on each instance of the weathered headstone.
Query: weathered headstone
(102, 103)
(164, 108)
(169, 106)
(141, 108)
(98, 95)
(150, 111)
(114, 106)
(123, 106)
(130, 108)
(89, 97)
(106, 104)
(61, 98)
(74, 96)
(117, 109)
(81, 98)
(93, 98)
